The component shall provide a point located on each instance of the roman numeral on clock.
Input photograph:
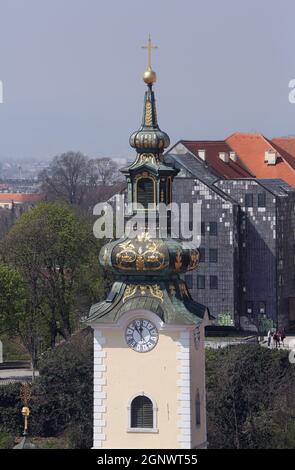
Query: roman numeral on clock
(141, 335)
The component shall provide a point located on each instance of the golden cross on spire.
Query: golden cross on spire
(149, 48)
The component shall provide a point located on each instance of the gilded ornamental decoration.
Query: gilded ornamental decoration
(141, 255)
(143, 289)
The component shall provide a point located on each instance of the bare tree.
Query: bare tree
(75, 179)
(66, 178)
(104, 171)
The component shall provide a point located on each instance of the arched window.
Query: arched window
(145, 192)
(142, 412)
(198, 409)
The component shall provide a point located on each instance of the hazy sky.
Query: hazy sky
(72, 71)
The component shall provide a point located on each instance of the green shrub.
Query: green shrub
(63, 394)
(11, 420)
(6, 440)
(250, 398)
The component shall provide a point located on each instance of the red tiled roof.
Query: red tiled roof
(286, 145)
(20, 197)
(225, 170)
(251, 149)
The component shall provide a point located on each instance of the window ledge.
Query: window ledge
(143, 430)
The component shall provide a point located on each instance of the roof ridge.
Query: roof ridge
(257, 134)
(202, 140)
(269, 141)
(283, 151)
(284, 137)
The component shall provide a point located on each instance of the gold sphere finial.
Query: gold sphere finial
(149, 75)
(25, 411)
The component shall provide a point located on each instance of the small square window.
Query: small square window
(261, 200)
(202, 252)
(213, 228)
(249, 200)
(200, 282)
(213, 282)
(213, 255)
(188, 278)
(249, 308)
(262, 308)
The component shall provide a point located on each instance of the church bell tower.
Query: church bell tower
(149, 366)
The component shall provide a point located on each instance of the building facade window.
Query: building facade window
(202, 252)
(202, 228)
(248, 200)
(213, 255)
(213, 228)
(141, 413)
(201, 282)
(213, 282)
(249, 308)
(188, 278)
(262, 308)
(261, 200)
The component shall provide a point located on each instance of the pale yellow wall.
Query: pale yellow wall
(129, 373)
(169, 374)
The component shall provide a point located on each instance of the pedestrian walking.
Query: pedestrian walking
(283, 336)
(276, 339)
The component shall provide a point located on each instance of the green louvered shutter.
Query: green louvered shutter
(141, 412)
(145, 192)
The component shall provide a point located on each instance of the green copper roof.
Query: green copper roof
(170, 300)
(149, 138)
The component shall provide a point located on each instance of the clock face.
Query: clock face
(141, 335)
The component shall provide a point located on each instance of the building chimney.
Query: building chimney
(202, 154)
(270, 157)
(233, 156)
(224, 157)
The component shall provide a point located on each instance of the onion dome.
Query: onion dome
(149, 138)
(147, 256)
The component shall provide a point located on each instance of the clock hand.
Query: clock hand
(139, 332)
